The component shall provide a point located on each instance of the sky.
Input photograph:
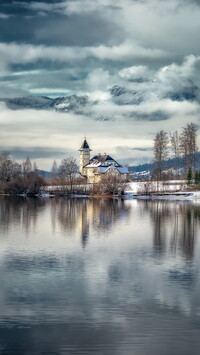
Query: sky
(85, 47)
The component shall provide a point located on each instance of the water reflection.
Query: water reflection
(175, 226)
(134, 291)
(88, 215)
(19, 212)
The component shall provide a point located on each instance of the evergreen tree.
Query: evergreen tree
(35, 166)
(189, 176)
(27, 167)
(197, 177)
(54, 170)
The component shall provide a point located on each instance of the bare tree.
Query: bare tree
(175, 147)
(112, 183)
(161, 151)
(67, 170)
(30, 184)
(146, 187)
(54, 171)
(8, 168)
(188, 145)
(34, 183)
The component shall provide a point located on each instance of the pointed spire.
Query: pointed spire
(85, 145)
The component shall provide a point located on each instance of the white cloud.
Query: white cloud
(136, 73)
(97, 84)
(26, 53)
(4, 16)
(154, 34)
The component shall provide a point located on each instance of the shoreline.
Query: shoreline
(171, 196)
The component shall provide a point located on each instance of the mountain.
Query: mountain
(61, 104)
(172, 162)
(187, 93)
(46, 174)
(69, 103)
(135, 94)
(122, 96)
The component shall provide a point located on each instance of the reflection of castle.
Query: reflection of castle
(94, 168)
(99, 216)
(88, 216)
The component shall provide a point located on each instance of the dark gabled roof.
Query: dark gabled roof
(104, 158)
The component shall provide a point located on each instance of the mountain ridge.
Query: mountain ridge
(119, 95)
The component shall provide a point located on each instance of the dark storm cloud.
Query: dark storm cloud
(150, 48)
(57, 29)
(34, 153)
(143, 149)
(153, 116)
(20, 8)
(193, 1)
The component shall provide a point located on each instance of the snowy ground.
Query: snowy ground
(154, 186)
(170, 190)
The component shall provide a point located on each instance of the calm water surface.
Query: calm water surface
(99, 277)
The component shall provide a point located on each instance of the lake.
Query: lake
(99, 276)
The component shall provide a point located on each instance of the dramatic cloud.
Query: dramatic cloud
(138, 62)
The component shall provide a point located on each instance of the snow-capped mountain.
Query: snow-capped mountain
(152, 91)
(135, 94)
(122, 96)
(62, 104)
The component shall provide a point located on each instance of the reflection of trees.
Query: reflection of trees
(71, 215)
(87, 214)
(66, 212)
(160, 214)
(174, 226)
(188, 230)
(19, 212)
(107, 212)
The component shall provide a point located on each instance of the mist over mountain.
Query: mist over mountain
(133, 97)
(60, 104)
(71, 68)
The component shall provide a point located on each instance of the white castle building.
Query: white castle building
(94, 168)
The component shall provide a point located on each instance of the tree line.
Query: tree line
(24, 178)
(182, 146)
(16, 178)
(110, 183)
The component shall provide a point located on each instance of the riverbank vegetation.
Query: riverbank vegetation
(65, 179)
(182, 147)
(18, 178)
(23, 179)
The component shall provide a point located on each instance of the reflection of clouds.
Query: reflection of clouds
(111, 298)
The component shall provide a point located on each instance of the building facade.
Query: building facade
(94, 168)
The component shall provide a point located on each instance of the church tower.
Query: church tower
(84, 155)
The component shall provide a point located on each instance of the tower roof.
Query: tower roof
(85, 146)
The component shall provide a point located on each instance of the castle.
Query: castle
(94, 168)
